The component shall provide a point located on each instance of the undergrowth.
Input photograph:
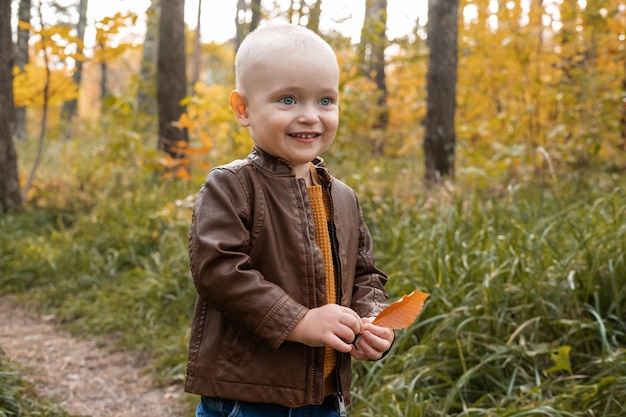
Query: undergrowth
(18, 398)
(528, 286)
(526, 314)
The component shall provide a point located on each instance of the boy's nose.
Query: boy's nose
(308, 115)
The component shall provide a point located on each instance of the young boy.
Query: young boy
(279, 251)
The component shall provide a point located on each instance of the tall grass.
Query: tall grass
(526, 315)
(527, 312)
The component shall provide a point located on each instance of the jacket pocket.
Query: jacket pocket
(239, 348)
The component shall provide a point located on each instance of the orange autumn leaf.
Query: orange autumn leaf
(206, 140)
(402, 313)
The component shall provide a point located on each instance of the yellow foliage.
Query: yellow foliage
(206, 140)
(185, 122)
(527, 84)
(28, 86)
(53, 46)
(212, 130)
(110, 41)
(23, 25)
(209, 122)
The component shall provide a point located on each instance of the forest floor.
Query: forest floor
(77, 374)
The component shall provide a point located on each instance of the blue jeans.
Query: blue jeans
(218, 407)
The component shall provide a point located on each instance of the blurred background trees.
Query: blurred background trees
(480, 90)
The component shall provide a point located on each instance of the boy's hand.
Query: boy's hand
(374, 341)
(329, 325)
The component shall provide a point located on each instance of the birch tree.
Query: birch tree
(70, 107)
(146, 92)
(21, 60)
(372, 54)
(243, 26)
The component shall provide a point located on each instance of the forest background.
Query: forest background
(521, 241)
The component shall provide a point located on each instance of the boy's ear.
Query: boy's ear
(240, 107)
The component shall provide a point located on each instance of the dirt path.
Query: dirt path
(77, 375)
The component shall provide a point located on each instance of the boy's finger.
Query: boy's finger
(352, 320)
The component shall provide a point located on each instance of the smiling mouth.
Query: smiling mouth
(304, 135)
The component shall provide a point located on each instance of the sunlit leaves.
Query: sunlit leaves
(527, 67)
(212, 130)
(111, 39)
(57, 46)
(208, 123)
(29, 85)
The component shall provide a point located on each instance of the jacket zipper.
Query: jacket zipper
(338, 290)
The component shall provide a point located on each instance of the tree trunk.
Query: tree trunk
(10, 198)
(146, 93)
(243, 27)
(372, 52)
(440, 137)
(21, 59)
(171, 79)
(255, 6)
(623, 122)
(240, 23)
(70, 107)
(44, 109)
(315, 12)
(103, 79)
(197, 48)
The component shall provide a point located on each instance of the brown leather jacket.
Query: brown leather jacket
(258, 270)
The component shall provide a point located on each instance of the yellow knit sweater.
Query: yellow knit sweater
(321, 214)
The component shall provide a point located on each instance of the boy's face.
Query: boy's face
(290, 104)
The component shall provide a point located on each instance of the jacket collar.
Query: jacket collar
(278, 166)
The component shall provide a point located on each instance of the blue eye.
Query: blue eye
(325, 101)
(288, 100)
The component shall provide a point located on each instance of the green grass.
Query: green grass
(526, 315)
(18, 398)
(528, 287)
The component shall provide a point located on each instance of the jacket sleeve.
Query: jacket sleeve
(369, 296)
(219, 245)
